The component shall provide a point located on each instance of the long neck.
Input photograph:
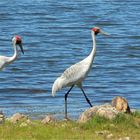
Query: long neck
(14, 57)
(93, 52)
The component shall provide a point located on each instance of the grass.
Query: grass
(97, 128)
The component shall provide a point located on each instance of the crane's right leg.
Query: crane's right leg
(86, 97)
(66, 96)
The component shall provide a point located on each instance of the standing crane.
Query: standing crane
(75, 74)
(4, 60)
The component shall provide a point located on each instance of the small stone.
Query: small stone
(109, 136)
(125, 138)
(121, 104)
(133, 110)
(23, 124)
(1, 120)
(63, 125)
(28, 121)
(2, 117)
(112, 125)
(104, 132)
(48, 119)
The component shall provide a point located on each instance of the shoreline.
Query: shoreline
(103, 122)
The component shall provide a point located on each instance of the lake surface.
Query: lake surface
(57, 34)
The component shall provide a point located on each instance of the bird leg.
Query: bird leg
(66, 95)
(86, 97)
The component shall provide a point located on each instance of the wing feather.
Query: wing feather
(3, 61)
(76, 73)
(73, 75)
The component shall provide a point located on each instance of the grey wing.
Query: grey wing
(75, 73)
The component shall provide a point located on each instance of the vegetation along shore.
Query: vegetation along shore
(115, 121)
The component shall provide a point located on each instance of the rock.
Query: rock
(88, 114)
(108, 113)
(17, 117)
(2, 117)
(121, 104)
(105, 110)
(125, 138)
(48, 119)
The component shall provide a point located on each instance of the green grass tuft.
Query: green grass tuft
(97, 128)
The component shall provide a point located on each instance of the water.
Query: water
(56, 34)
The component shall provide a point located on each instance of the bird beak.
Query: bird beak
(20, 45)
(104, 33)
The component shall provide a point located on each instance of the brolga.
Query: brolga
(75, 74)
(4, 60)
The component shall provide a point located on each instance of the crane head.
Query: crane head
(18, 41)
(97, 30)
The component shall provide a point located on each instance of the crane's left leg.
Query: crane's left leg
(66, 96)
(86, 97)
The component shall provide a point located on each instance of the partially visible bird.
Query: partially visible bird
(4, 60)
(75, 74)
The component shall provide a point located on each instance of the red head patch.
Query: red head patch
(96, 30)
(18, 39)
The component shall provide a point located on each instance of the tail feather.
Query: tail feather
(58, 84)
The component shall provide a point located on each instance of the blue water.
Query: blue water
(57, 34)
